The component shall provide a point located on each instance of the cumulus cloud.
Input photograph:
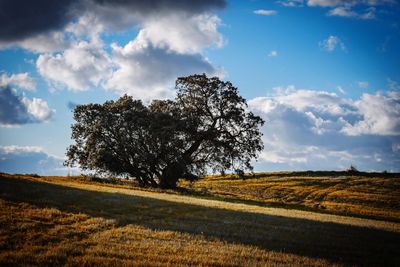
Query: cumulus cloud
(20, 80)
(342, 12)
(17, 110)
(146, 67)
(265, 12)
(380, 115)
(291, 3)
(182, 33)
(346, 11)
(331, 43)
(308, 129)
(146, 72)
(172, 36)
(168, 45)
(30, 159)
(165, 48)
(306, 100)
(38, 109)
(80, 67)
(5, 150)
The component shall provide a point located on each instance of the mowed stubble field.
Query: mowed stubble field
(355, 194)
(75, 221)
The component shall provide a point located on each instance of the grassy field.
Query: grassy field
(62, 221)
(365, 195)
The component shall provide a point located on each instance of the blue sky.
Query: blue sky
(324, 74)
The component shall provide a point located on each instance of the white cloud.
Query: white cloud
(380, 115)
(304, 100)
(20, 149)
(346, 11)
(168, 45)
(182, 33)
(377, 114)
(80, 67)
(83, 63)
(38, 109)
(308, 129)
(87, 25)
(30, 159)
(172, 37)
(165, 48)
(342, 12)
(16, 110)
(291, 3)
(147, 72)
(265, 12)
(331, 43)
(20, 80)
(273, 53)
(283, 154)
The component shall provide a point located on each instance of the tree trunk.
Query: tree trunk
(168, 182)
(170, 175)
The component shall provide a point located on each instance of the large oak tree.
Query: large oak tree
(206, 127)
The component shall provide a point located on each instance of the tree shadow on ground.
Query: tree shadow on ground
(336, 242)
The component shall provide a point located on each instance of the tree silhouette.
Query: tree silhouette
(206, 127)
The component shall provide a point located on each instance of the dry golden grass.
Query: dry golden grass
(59, 221)
(364, 196)
(40, 236)
(48, 236)
(129, 188)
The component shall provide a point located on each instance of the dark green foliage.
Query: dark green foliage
(206, 127)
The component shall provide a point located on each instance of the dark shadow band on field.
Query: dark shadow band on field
(336, 242)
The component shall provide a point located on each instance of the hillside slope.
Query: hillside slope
(66, 222)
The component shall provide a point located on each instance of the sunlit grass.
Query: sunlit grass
(356, 195)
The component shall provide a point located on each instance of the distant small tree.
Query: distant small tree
(352, 169)
(207, 126)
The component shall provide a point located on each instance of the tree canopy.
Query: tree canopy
(206, 127)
